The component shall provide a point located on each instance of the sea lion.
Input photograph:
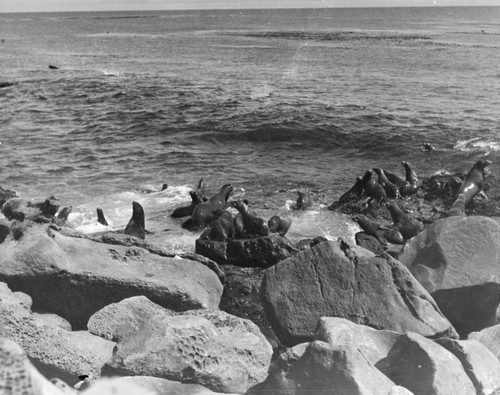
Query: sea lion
(136, 226)
(221, 229)
(186, 211)
(303, 200)
(369, 242)
(391, 189)
(372, 188)
(253, 225)
(52, 67)
(382, 233)
(63, 214)
(408, 227)
(201, 189)
(100, 217)
(239, 226)
(203, 214)
(411, 181)
(354, 193)
(279, 225)
(427, 147)
(152, 190)
(474, 180)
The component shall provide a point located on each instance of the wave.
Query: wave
(477, 144)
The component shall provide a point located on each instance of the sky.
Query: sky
(112, 5)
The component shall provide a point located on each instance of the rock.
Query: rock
(490, 337)
(116, 386)
(48, 207)
(261, 252)
(4, 229)
(206, 347)
(480, 364)
(17, 374)
(469, 309)
(160, 386)
(425, 368)
(52, 319)
(75, 277)
(334, 279)
(40, 211)
(53, 351)
(455, 252)
(372, 343)
(318, 367)
(6, 194)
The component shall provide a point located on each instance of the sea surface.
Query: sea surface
(272, 101)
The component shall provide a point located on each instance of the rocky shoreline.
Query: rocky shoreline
(258, 314)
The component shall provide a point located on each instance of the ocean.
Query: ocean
(272, 101)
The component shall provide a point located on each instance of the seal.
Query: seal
(354, 193)
(427, 147)
(372, 188)
(239, 226)
(221, 229)
(201, 187)
(279, 225)
(253, 225)
(136, 226)
(474, 180)
(151, 190)
(407, 226)
(186, 211)
(411, 180)
(457, 209)
(391, 189)
(100, 217)
(63, 214)
(203, 214)
(303, 200)
(382, 233)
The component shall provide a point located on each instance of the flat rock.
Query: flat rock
(53, 351)
(482, 367)
(75, 277)
(469, 309)
(318, 367)
(333, 279)
(207, 347)
(455, 252)
(425, 368)
(261, 252)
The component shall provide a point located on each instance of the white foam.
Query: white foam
(477, 144)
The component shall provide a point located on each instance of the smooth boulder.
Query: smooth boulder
(74, 277)
(221, 352)
(455, 252)
(334, 279)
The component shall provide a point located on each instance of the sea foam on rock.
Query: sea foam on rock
(334, 279)
(208, 347)
(75, 277)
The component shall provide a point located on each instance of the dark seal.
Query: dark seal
(372, 188)
(411, 181)
(254, 226)
(205, 213)
(304, 200)
(136, 225)
(279, 225)
(185, 211)
(100, 217)
(354, 193)
(221, 229)
(474, 180)
(391, 189)
(408, 227)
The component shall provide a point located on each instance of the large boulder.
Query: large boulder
(75, 277)
(261, 252)
(469, 309)
(38, 211)
(490, 337)
(206, 347)
(482, 367)
(319, 367)
(425, 368)
(455, 252)
(333, 279)
(54, 352)
(17, 374)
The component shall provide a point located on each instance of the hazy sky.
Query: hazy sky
(104, 5)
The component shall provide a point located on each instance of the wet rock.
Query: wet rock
(38, 211)
(75, 277)
(334, 279)
(455, 252)
(425, 368)
(6, 194)
(206, 347)
(53, 351)
(260, 252)
(479, 363)
(469, 309)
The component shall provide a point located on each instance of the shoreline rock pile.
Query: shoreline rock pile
(415, 313)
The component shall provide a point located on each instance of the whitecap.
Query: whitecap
(477, 144)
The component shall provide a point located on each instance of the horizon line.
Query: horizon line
(248, 9)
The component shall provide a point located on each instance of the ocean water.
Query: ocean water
(272, 101)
